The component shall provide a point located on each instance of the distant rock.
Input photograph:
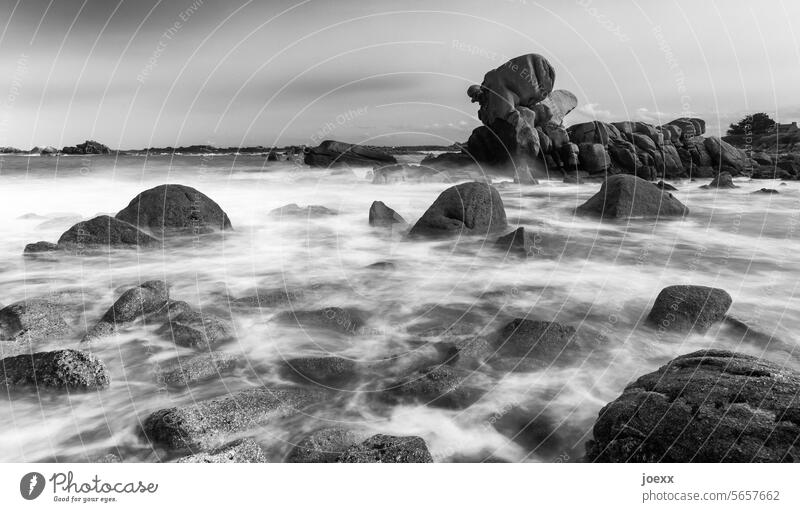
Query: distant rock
(322, 371)
(40, 247)
(293, 210)
(436, 386)
(325, 445)
(204, 424)
(332, 153)
(385, 448)
(33, 320)
(200, 368)
(624, 196)
(382, 265)
(240, 451)
(48, 151)
(71, 370)
(722, 180)
(466, 209)
(707, 406)
(175, 209)
(133, 304)
(104, 232)
(90, 147)
(381, 215)
(445, 161)
(401, 173)
(518, 242)
(766, 191)
(683, 308)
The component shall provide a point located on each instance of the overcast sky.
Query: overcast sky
(234, 72)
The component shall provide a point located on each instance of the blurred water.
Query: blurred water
(599, 277)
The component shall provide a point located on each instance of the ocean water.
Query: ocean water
(600, 277)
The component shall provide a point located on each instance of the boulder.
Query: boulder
(519, 242)
(325, 445)
(436, 386)
(197, 330)
(169, 209)
(90, 147)
(593, 132)
(683, 308)
(332, 153)
(33, 320)
(322, 371)
(624, 196)
(385, 448)
(723, 153)
(292, 210)
(71, 370)
(347, 321)
(381, 215)
(133, 304)
(200, 368)
(240, 451)
(722, 180)
(707, 406)
(593, 157)
(766, 191)
(104, 231)
(644, 142)
(469, 209)
(203, 424)
(560, 103)
(40, 247)
(510, 139)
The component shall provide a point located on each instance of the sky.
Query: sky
(139, 73)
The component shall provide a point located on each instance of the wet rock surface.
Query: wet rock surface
(624, 196)
(70, 370)
(385, 448)
(437, 386)
(192, 370)
(323, 446)
(684, 308)
(466, 209)
(240, 451)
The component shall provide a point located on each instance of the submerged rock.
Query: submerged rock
(293, 210)
(623, 196)
(381, 215)
(40, 247)
(104, 231)
(172, 208)
(766, 191)
(323, 446)
(707, 406)
(202, 425)
(197, 330)
(343, 320)
(191, 370)
(326, 371)
(133, 304)
(519, 241)
(684, 308)
(524, 344)
(437, 386)
(722, 180)
(72, 370)
(33, 320)
(469, 209)
(240, 451)
(385, 448)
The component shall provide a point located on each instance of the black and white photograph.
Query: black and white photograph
(545, 253)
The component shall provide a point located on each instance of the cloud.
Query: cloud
(593, 112)
(653, 116)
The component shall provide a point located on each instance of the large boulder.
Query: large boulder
(332, 154)
(469, 208)
(707, 406)
(71, 370)
(381, 215)
(104, 231)
(237, 452)
(33, 320)
(510, 139)
(171, 208)
(204, 424)
(593, 157)
(723, 154)
(684, 308)
(135, 303)
(624, 196)
(384, 448)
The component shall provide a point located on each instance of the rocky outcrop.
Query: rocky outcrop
(175, 209)
(135, 303)
(240, 451)
(325, 445)
(684, 308)
(707, 406)
(381, 215)
(71, 370)
(624, 196)
(385, 448)
(90, 147)
(332, 154)
(466, 209)
(204, 424)
(437, 386)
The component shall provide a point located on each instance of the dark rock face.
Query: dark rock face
(104, 231)
(332, 153)
(519, 242)
(325, 371)
(384, 448)
(323, 446)
(593, 157)
(723, 180)
(171, 208)
(528, 343)
(723, 154)
(470, 208)
(437, 386)
(134, 303)
(40, 247)
(73, 370)
(624, 196)
(188, 371)
(90, 147)
(593, 132)
(197, 330)
(239, 451)
(33, 320)
(202, 425)
(344, 321)
(684, 308)
(707, 406)
(293, 210)
(381, 215)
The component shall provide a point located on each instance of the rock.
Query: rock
(325, 445)
(269, 298)
(33, 320)
(48, 151)
(90, 147)
(197, 330)
(385, 448)
(401, 173)
(682, 308)
(511, 139)
(203, 424)
(322, 371)
(191, 370)
(723, 153)
(469, 209)
(104, 231)
(522, 81)
(292, 210)
(381, 215)
(437, 386)
(593, 157)
(766, 191)
(560, 103)
(72, 370)
(519, 241)
(665, 186)
(239, 451)
(170, 209)
(644, 142)
(444, 161)
(593, 132)
(722, 180)
(624, 196)
(707, 406)
(343, 320)
(537, 343)
(332, 153)
(40, 247)
(382, 265)
(134, 303)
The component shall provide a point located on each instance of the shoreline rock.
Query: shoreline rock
(68, 369)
